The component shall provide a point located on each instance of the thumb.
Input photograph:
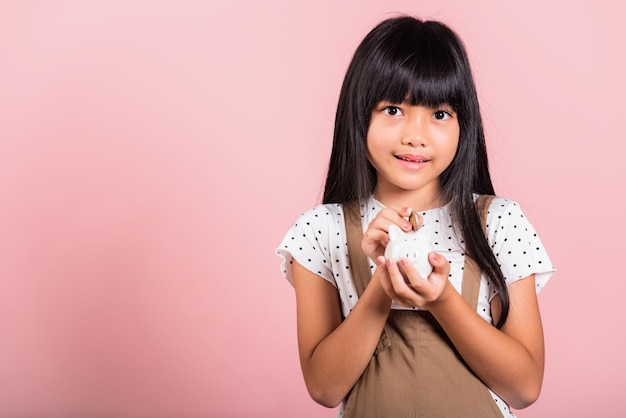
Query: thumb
(438, 261)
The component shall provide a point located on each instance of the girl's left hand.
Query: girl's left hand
(404, 284)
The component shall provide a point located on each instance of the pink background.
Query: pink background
(153, 154)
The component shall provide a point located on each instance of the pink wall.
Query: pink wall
(153, 153)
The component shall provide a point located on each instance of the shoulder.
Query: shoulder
(502, 207)
(506, 215)
(321, 216)
(334, 214)
(502, 203)
(503, 213)
(317, 228)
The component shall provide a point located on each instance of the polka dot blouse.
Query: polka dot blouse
(318, 242)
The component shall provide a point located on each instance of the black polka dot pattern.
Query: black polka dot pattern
(318, 242)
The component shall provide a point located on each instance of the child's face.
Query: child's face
(410, 146)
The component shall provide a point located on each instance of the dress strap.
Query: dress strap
(359, 265)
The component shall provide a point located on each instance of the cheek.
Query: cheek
(454, 146)
(372, 142)
(446, 142)
(451, 141)
(381, 136)
(371, 150)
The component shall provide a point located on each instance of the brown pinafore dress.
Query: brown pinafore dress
(416, 371)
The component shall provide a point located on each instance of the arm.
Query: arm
(334, 353)
(510, 361)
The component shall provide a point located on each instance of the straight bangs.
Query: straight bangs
(418, 66)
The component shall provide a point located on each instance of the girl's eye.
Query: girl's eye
(442, 115)
(392, 111)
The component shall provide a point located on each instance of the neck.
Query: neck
(418, 200)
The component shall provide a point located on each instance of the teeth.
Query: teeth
(413, 161)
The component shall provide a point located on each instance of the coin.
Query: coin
(413, 220)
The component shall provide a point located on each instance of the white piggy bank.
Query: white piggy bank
(414, 245)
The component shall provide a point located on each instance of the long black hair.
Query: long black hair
(425, 62)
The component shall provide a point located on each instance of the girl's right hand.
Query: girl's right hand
(376, 237)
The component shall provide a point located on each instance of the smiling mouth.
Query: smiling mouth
(411, 160)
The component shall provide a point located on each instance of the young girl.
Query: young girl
(465, 341)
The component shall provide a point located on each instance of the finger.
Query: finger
(378, 230)
(404, 211)
(418, 287)
(395, 215)
(385, 281)
(376, 235)
(439, 263)
(401, 220)
(413, 277)
(402, 291)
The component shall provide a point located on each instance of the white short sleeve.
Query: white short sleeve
(516, 245)
(307, 242)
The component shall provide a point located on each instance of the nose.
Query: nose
(415, 132)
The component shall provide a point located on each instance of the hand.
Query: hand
(376, 236)
(404, 284)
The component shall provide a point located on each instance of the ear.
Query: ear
(395, 231)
